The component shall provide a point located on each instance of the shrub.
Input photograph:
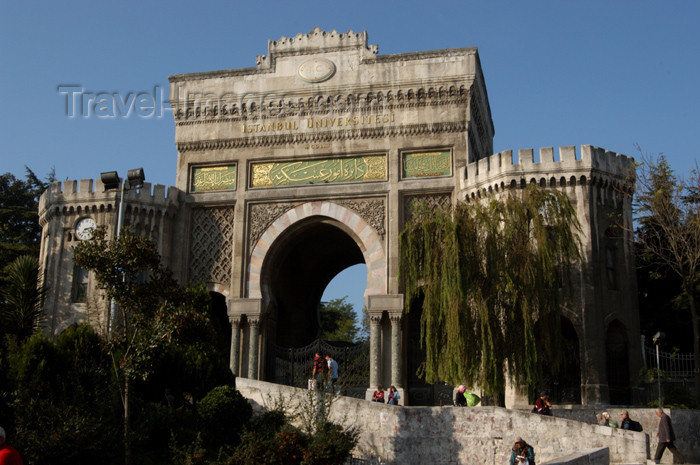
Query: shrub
(224, 413)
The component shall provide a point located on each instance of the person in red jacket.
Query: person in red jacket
(8, 454)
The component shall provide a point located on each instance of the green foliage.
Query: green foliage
(20, 232)
(338, 322)
(270, 439)
(63, 399)
(286, 446)
(668, 240)
(37, 369)
(332, 444)
(224, 412)
(488, 271)
(22, 298)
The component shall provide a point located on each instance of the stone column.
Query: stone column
(396, 378)
(235, 354)
(375, 359)
(253, 324)
(251, 309)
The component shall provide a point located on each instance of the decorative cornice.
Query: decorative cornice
(409, 94)
(326, 136)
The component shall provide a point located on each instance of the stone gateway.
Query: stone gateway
(312, 161)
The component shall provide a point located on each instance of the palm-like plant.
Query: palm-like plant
(22, 298)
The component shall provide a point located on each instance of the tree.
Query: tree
(154, 311)
(20, 232)
(22, 298)
(668, 213)
(488, 271)
(338, 322)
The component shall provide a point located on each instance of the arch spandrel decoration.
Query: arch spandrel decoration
(367, 239)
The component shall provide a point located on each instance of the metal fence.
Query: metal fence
(674, 365)
(293, 365)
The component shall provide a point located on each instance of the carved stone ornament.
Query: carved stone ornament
(261, 216)
(373, 211)
(211, 242)
(316, 70)
(434, 201)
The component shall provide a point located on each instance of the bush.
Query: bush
(332, 444)
(224, 413)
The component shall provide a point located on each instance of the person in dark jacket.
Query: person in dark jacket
(628, 423)
(666, 438)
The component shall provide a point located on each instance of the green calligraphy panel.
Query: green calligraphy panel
(323, 171)
(426, 164)
(213, 178)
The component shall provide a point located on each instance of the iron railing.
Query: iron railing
(674, 365)
(293, 366)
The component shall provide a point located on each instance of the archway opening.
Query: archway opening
(302, 264)
(564, 386)
(617, 358)
(297, 270)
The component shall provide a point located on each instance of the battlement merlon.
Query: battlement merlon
(89, 192)
(595, 162)
(317, 40)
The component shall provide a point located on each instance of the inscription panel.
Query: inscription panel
(426, 164)
(319, 171)
(213, 178)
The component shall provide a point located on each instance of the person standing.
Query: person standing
(332, 370)
(666, 437)
(319, 371)
(8, 454)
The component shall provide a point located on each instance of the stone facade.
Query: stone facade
(310, 162)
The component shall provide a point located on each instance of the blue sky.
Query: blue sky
(606, 73)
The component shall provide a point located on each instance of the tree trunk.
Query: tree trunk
(127, 433)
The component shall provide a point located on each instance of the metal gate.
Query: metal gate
(293, 366)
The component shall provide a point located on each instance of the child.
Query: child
(393, 396)
(378, 395)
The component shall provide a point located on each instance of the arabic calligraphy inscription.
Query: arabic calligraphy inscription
(213, 178)
(323, 171)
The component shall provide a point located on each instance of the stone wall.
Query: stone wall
(479, 435)
(585, 457)
(686, 425)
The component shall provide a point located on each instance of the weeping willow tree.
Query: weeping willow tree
(488, 271)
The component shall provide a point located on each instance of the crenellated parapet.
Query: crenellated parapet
(317, 40)
(594, 166)
(71, 197)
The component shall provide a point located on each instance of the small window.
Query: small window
(80, 284)
(611, 272)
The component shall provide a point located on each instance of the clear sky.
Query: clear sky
(607, 73)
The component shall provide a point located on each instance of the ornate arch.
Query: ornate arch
(367, 239)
